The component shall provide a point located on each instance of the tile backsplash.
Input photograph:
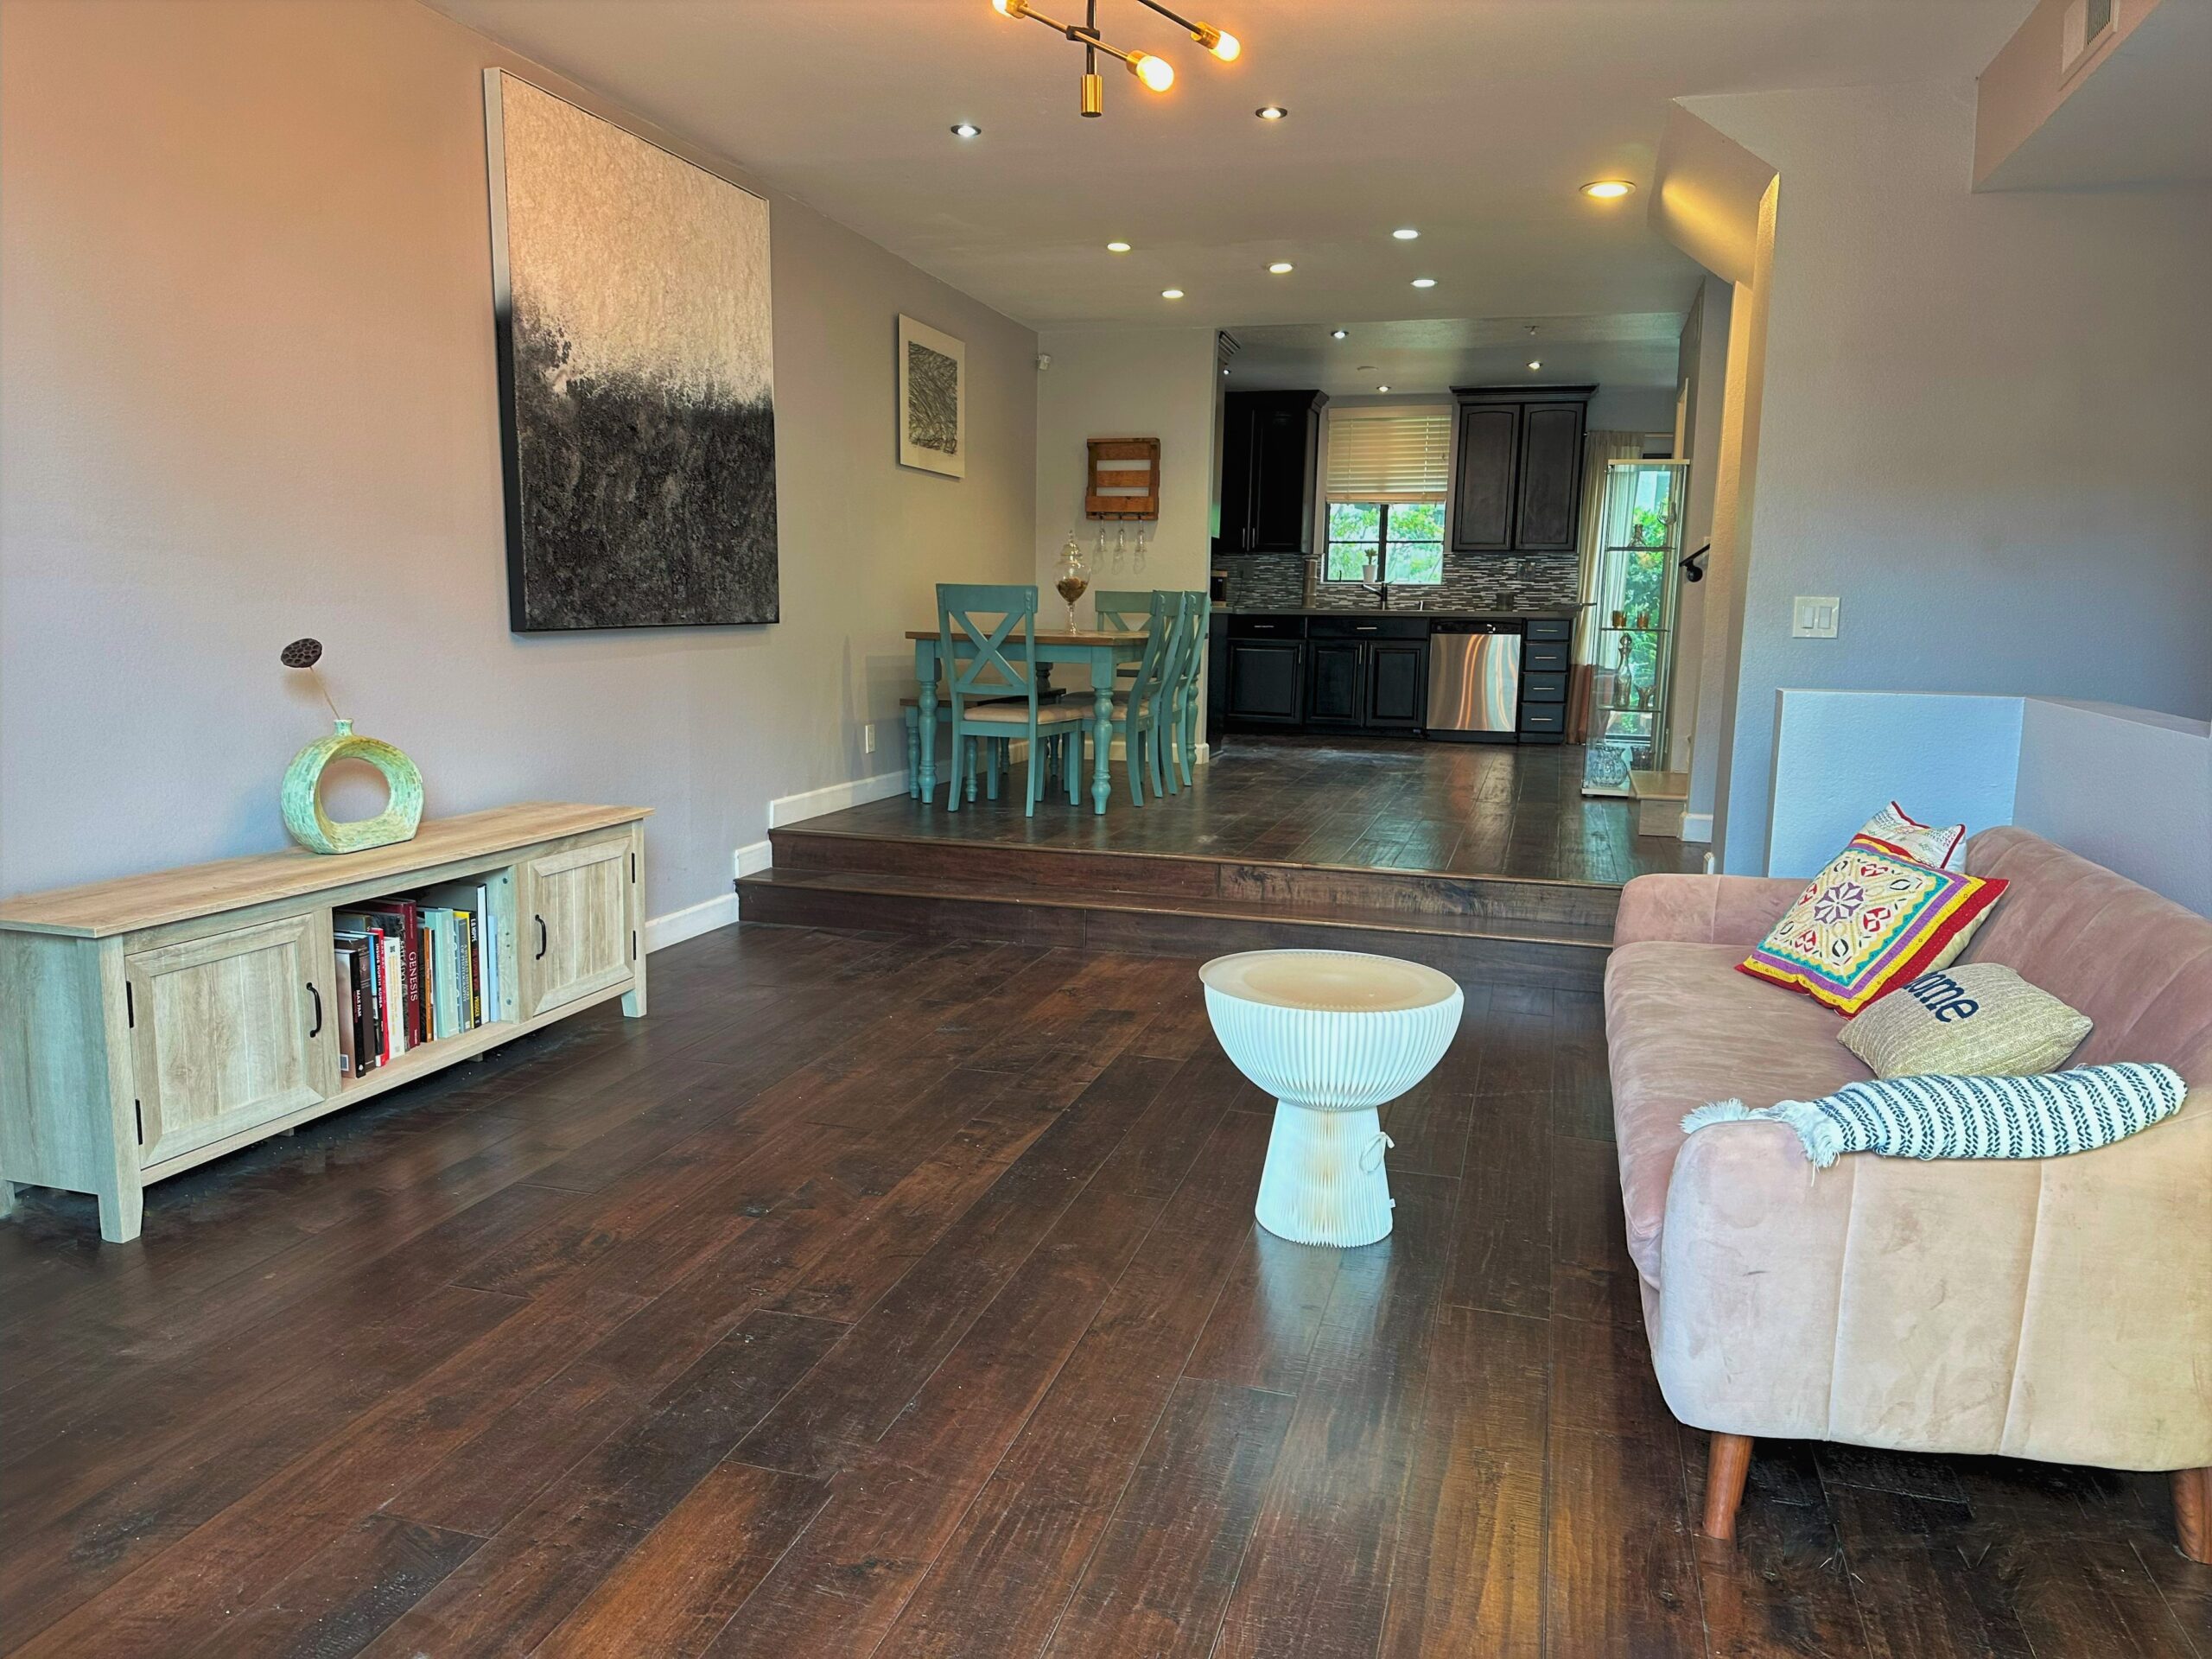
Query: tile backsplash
(1472, 581)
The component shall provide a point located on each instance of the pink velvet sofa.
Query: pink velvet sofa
(2057, 1309)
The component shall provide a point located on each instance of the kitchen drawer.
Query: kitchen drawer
(1543, 688)
(1267, 628)
(1549, 627)
(1545, 657)
(1543, 716)
(1356, 626)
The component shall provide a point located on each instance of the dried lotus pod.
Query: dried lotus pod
(302, 653)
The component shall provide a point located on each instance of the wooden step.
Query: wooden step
(1507, 903)
(1558, 954)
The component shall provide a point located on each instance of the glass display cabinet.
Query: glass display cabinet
(1629, 636)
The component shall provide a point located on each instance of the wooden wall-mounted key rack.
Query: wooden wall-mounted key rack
(1124, 478)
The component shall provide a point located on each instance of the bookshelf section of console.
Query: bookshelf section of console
(150, 1024)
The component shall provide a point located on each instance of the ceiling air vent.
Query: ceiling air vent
(2086, 26)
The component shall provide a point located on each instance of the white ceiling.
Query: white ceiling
(1620, 349)
(1474, 120)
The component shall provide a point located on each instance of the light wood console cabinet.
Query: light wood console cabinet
(149, 1024)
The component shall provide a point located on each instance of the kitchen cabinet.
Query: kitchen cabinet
(1397, 685)
(1517, 482)
(1266, 681)
(1367, 674)
(1269, 470)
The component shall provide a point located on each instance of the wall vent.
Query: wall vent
(2086, 26)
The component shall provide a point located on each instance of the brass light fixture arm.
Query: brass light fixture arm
(1204, 33)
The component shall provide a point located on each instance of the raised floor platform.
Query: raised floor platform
(1475, 861)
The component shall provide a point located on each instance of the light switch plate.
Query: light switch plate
(1813, 617)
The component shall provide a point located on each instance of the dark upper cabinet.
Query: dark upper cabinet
(1549, 515)
(1335, 693)
(1269, 469)
(1518, 487)
(1482, 494)
(1266, 680)
(1397, 684)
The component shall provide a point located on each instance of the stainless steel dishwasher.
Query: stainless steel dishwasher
(1474, 679)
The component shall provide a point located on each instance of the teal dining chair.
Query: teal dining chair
(1139, 712)
(1121, 611)
(991, 693)
(1197, 618)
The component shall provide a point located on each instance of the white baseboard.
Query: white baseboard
(836, 797)
(692, 920)
(1697, 826)
(751, 859)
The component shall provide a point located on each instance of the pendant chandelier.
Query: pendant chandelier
(1155, 73)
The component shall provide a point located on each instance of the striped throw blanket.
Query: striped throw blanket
(1971, 1118)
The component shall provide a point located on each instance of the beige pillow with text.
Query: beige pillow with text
(1979, 1020)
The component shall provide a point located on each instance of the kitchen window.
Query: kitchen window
(1388, 472)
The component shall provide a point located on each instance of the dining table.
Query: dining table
(1102, 652)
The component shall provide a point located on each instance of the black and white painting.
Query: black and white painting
(932, 400)
(637, 379)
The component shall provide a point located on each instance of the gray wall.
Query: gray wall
(245, 332)
(1984, 426)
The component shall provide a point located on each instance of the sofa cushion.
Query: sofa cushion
(1870, 922)
(1684, 1028)
(2138, 964)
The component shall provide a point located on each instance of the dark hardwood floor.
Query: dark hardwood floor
(879, 1297)
(1371, 803)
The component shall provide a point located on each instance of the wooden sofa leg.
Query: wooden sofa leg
(2193, 1513)
(1729, 1461)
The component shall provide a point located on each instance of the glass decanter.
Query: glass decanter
(1073, 581)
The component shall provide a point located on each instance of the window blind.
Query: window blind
(1389, 454)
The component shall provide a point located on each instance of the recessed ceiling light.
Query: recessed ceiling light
(1381, 388)
(1225, 372)
(1118, 247)
(1336, 333)
(1408, 234)
(1170, 292)
(1424, 282)
(966, 130)
(1281, 268)
(1607, 189)
(1271, 111)
(1535, 365)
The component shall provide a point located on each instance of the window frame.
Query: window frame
(1382, 546)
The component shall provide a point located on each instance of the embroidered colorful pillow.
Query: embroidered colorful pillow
(1869, 923)
(1893, 829)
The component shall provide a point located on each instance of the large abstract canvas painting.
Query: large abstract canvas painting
(637, 382)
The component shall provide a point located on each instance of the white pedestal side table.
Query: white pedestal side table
(1331, 1035)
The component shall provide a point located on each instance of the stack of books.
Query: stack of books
(413, 968)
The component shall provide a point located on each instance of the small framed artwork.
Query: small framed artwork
(932, 400)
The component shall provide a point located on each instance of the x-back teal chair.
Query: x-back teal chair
(1121, 611)
(1140, 713)
(992, 692)
(1197, 618)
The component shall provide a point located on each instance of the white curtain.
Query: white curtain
(1599, 450)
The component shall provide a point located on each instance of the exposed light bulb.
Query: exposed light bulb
(1155, 73)
(1010, 8)
(1607, 189)
(1224, 45)
(1406, 234)
(1118, 247)
(1424, 282)
(1170, 292)
(1281, 268)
